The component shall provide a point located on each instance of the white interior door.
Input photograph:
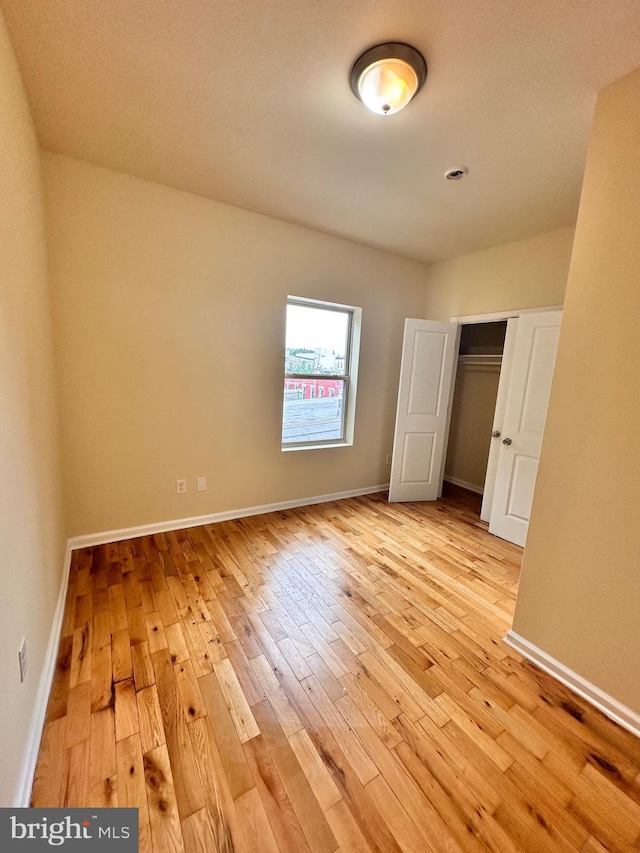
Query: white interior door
(427, 371)
(534, 355)
(498, 419)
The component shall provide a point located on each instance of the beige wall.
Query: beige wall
(528, 274)
(169, 313)
(580, 591)
(30, 511)
(472, 412)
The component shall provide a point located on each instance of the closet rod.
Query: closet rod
(480, 359)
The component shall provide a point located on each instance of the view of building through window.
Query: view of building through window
(316, 373)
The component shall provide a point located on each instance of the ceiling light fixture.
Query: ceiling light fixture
(386, 77)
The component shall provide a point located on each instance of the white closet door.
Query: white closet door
(534, 357)
(498, 419)
(422, 419)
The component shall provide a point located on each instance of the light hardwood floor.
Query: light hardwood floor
(321, 679)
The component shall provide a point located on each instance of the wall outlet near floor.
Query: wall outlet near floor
(181, 487)
(201, 484)
(387, 460)
(22, 659)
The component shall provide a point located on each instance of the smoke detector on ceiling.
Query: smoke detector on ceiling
(456, 174)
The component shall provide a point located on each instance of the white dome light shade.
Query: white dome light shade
(387, 86)
(387, 76)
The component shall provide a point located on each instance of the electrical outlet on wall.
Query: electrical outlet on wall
(22, 659)
(181, 487)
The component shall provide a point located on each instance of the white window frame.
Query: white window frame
(349, 377)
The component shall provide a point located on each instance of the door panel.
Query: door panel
(426, 383)
(523, 480)
(528, 392)
(538, 379)
(417, 457)
(422, 417)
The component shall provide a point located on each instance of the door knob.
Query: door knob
(507, 441)
(495, 433)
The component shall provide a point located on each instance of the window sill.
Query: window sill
(332, 444)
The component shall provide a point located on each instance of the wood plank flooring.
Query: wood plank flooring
(321, 679)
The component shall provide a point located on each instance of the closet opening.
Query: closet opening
(474, 405)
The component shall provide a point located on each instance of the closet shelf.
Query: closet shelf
(480, 359)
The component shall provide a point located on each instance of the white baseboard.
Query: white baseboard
(470, 487)
(609, 706)
(23, 795)
(228, 515)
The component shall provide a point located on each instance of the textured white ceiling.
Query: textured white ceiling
(248, 102)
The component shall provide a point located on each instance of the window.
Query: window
(320, 373)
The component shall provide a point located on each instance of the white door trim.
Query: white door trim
(467, 319)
